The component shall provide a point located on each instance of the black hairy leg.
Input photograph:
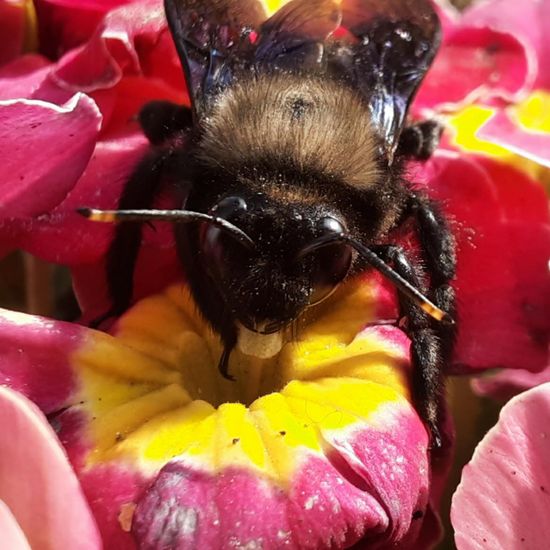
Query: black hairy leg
(229, 343)
(426, 358)
(139, 192)
(439, 254)
(420, 139)
(161, 120)
(431, 341)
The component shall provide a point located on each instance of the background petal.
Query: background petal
(37, 482)
(17, 28)
(12, 535)
(523, 129)
(45, 149)
(34, 358)
(503, 500)
(66, 24)
(509, 382)
(489, 204)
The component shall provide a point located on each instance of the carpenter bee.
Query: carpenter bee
(290, 169)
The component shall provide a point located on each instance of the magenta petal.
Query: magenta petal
(63, 236)
(530, 26)
(489, 204)
(37, 482)
(473, 64)
(66, 24)
(44, 148)
(113, 49)
(10, 533)
(503, 500)
(35, 358)
(21, 77)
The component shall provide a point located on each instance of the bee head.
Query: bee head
(297, 259)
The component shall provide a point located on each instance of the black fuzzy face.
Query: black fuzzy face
(269, 286)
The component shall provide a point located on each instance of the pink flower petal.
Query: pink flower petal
(509, 382)
(490, 52)
(113, 49)
(11, 534)
(12, 29)
(45, 149)
(66, 24)
(503, 130)
(371, 484)
(503, 500)
(483, 198)
(23, 76)
(37, 482)
(530, 26)
(476, 64)
(34, 358)
(62, 235)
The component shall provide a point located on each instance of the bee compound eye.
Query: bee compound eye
(331, 259)
(229, 208)
(331, 265)
(220, 249)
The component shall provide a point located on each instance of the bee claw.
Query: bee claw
(223, 365)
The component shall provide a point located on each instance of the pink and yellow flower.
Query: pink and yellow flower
(318, 447)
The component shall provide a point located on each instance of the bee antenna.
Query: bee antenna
(411, 292)
(406, 288)
(174, 216)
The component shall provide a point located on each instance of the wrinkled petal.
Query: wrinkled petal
(476, 64)
(112, 50)
(523, 129)
(489, 53)
(503, 500)
(66, 24)
(34, 358)
(530, 26)
(37, 483)
(23, 76)
(12, 535)
(45, 149)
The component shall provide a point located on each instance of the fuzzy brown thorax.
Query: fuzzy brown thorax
(308, 122)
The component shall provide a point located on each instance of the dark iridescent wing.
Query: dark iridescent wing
(211, 37)
(215, 41)
(397, 41)
(295, 36)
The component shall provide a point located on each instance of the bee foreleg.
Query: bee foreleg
(439, 251)
(140, 192)
(161, 120)
(420, 139)
(426, 360)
